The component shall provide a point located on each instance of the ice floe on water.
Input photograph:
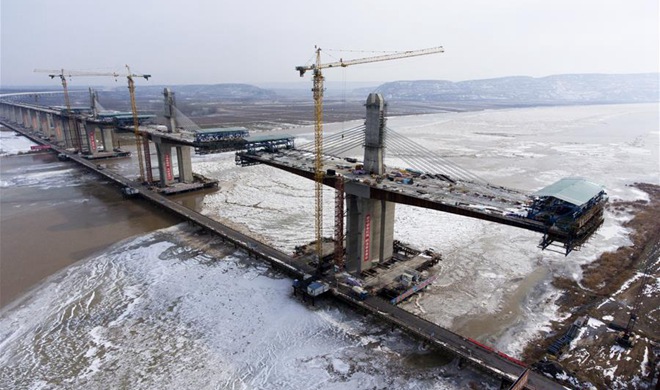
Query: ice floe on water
(11, 143)
(154, 312)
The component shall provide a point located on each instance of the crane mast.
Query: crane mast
(317, 91)
(73, 125)
(140, 141)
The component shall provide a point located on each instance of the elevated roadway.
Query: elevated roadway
(488, 203)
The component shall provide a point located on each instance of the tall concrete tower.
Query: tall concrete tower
(370, 222)
(170, 110)
(94, 100)
(374, 139)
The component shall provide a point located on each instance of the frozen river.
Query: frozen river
(172, 309)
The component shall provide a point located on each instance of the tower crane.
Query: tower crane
(73, 125)
(139, 138)
(317, 90)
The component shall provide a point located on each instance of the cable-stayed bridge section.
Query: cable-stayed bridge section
(567, 212)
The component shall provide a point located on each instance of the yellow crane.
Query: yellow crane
(317, 91)
(63, 74)
(73, 125)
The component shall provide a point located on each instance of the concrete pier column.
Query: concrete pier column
(107, 137)
(370, 222)
(185, 164)
(370, 229)
(58, 124)
(68, 132)
(28, 119)
(33, 119)
(90, 136)
(165, 169)
(21, 117)
(45, 125)
(39, 121)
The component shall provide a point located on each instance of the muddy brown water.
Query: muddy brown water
(53, 214)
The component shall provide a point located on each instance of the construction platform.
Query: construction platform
(107, 155)
(200, 183)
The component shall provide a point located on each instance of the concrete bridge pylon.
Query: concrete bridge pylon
(370, 222)
(164, 148)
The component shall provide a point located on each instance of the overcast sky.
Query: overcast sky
(261, 41)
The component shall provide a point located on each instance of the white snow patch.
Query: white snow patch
(594, 323)
(609, 372)
(340, 366)
(645, 362)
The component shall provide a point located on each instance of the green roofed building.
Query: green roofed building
(573, 190)
(568, 203)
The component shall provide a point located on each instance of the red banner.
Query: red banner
(168, 167)
(367, 237)
(92, 141)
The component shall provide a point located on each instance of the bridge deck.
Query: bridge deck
(489, 203)
(485, 359)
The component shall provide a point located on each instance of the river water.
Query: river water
(54, 214)
(169, 308)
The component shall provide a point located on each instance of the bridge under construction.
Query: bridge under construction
(566, 213)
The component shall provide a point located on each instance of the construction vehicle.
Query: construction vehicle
(317, 90)
(359, 293)
(139, 138)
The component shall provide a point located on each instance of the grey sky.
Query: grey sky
(260, 41)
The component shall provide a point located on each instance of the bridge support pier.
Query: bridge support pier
(370, 222)
(41, 125)
(90, 136)
(107, 137)
(166, 163)
(67, 131)
(14, 114)
(29, 119)
(58, 124)
(48, 126)
(22, 116)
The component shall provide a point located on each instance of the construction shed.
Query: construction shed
(565, 202)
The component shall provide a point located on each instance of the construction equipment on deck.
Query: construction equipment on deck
(139, 138)
(317, 90)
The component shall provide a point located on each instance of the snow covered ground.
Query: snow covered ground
(157, 312)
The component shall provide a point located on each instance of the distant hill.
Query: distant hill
(213, 92)
(558, 89)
